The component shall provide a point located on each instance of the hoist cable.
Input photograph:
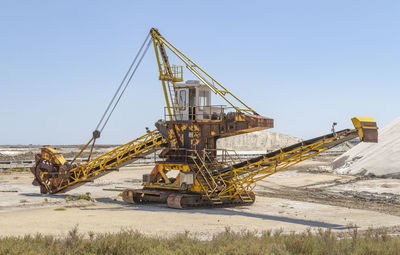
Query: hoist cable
(121, 84)
(127, 83)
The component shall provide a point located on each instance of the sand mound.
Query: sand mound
(261, 141)
(380, 159)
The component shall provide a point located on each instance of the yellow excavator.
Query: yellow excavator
(190, 171)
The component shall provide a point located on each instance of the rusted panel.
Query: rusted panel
(203, 134)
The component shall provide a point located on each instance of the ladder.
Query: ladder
(206, 179)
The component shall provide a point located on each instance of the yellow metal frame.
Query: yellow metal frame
(119, 155)
(163, 70)
(243, 179)
(159, 42)
(162, 169)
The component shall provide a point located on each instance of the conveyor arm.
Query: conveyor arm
(243, 176)
(53, 177)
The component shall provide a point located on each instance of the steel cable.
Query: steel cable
(121, 84)
(126, 85)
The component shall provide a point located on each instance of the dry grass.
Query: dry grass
(228, 242)
(15, 169)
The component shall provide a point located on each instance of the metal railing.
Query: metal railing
(209, 112)
(176, 76)
(210, 156)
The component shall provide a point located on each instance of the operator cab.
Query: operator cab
(194, 102)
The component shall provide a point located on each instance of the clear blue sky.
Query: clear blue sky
(303, 63)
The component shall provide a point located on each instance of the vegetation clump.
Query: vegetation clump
(85, 196)
(228, 242)
(18, 169)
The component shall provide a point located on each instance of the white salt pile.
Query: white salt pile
(260, 141)
(380, 159)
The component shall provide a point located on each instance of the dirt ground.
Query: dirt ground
(294, 200)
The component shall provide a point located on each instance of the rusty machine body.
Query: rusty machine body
(191, 170)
